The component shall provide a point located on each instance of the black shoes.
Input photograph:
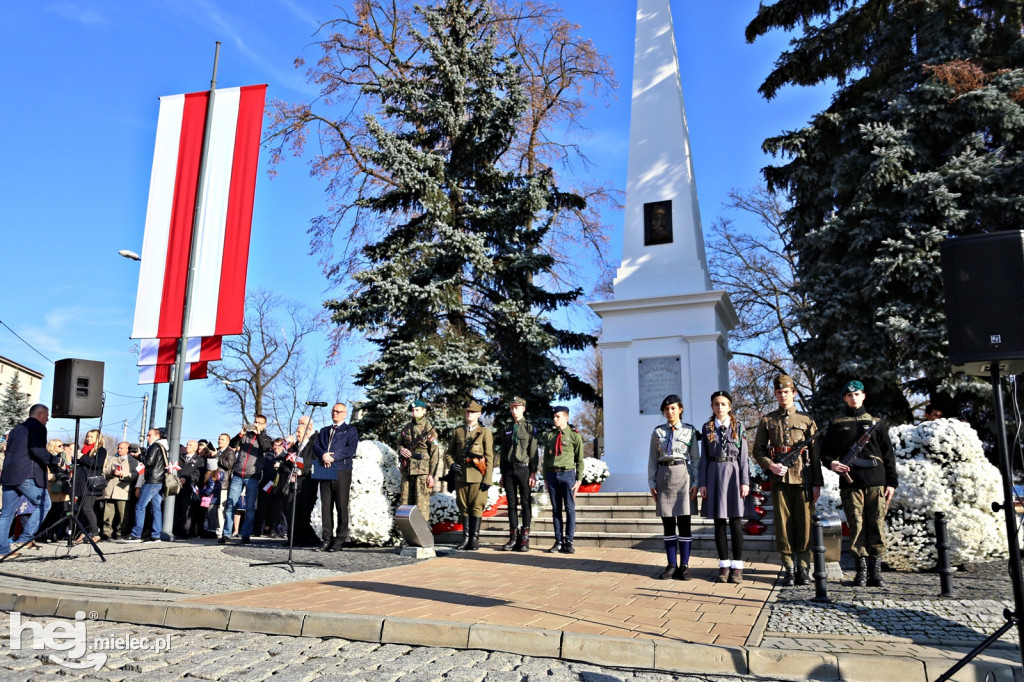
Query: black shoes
(801, 576)
(787, 576)
(327, 546)
(513, 541)
(567, 547)
(875, 572)
(860, 579)
(681, 573)
(474, 533)
(666, 573)
(555, 548)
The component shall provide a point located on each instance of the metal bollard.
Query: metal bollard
(942, 546)
(820, 574)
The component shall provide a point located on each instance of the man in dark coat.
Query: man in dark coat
(333, 451)
(252, 445)
(24, 474)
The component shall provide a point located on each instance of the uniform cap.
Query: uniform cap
(671, 400)
(473, 406)
(518, 401)
(783, 381)
(559, 408)
(851, 386)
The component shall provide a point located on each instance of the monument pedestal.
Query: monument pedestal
(651, 348)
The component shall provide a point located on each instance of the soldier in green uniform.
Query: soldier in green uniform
(777, 432)
(563, 473)
(865, 491)
(417, 458)
(470, 458)
(518, 465)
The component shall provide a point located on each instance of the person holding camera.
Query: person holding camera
(150, 485)
(25, 467)
(470, 459)
(252, 444)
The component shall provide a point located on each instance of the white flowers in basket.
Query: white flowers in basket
(443, 508)
(376, 482)
(594, 470)
(942, 467)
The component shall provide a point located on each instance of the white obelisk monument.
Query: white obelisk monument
(664, 331)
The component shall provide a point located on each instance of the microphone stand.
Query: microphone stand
(289, 562)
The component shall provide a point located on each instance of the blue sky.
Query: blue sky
(82, 80)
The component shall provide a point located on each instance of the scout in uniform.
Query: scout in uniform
(418, 455)
(865, 490)
(563, 473)
(518, 465)
(470, 458)
(671, 472)
(777, 432)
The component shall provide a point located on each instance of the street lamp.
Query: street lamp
(131, 255)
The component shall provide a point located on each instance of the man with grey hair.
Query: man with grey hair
(24, 474)
(150, 486)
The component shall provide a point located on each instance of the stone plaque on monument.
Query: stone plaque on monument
(658, 377)
(658, 223)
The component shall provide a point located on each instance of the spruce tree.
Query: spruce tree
(14, 406)
(451, 294)
(923, 140)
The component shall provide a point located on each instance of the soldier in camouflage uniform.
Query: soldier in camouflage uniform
(470, 458)
(417, 458)
(865, 491)
(777, 432)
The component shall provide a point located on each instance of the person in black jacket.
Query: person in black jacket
(190, 473)
(333, 450)
(518, 465)
(865, 490)
(149, 487)
(252, 444)
(89, 483)
(24, 473)
(300, 451)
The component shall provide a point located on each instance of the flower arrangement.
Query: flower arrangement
(942, 467)
(443, 509)
(594, 471)
(376, 482)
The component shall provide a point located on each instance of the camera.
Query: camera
(249, 428)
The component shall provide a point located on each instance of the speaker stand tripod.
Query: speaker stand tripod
(1013, 618)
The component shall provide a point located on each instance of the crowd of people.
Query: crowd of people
(247, 484)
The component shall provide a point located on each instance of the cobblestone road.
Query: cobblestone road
(214, 655)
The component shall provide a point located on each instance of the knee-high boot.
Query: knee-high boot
(465, 533)
(474, 533)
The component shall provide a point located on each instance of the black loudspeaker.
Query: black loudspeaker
(77, 389)
(983, 276)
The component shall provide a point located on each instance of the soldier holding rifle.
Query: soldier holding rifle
(857, 447)
(417, 458)
(781, 448)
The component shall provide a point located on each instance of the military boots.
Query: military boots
(875, 571)
(474, 533)
(861, 578)
(787, 576)
(465, 533)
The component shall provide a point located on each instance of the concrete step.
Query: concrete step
(614, 499)
(702, 542)
(591, 524)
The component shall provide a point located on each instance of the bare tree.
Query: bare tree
(758, 269)
(262, 370)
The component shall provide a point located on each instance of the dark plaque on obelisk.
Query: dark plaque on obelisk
(658, 223)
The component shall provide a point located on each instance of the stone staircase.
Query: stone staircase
(611, 520)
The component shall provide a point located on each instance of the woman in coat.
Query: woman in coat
(117, 470)
(90, 483)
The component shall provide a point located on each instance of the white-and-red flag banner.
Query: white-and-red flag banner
(162, 351)
(161, 374)
(222, 250)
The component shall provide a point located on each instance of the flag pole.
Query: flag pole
(176, 409)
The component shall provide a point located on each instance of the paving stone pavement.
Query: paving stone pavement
(228, 656)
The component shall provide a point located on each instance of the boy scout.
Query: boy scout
(563, 473)
(470, 458)
(418, 454)
(865, 490)
(777, 432)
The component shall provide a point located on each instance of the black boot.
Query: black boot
(513, 541)
(875, 572)
(801, 576)
(474, 533)
(524, 540)
(465, 533)
(787, 576)
(861, 578)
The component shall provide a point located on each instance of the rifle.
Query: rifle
(426, 434)
(789, 458)
(851, 458)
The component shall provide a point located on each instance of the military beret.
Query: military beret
(783, 381)
(473, 406)
(417, 403)
(669, 400)
(851, 386)
(518, 401)
(559, 408)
